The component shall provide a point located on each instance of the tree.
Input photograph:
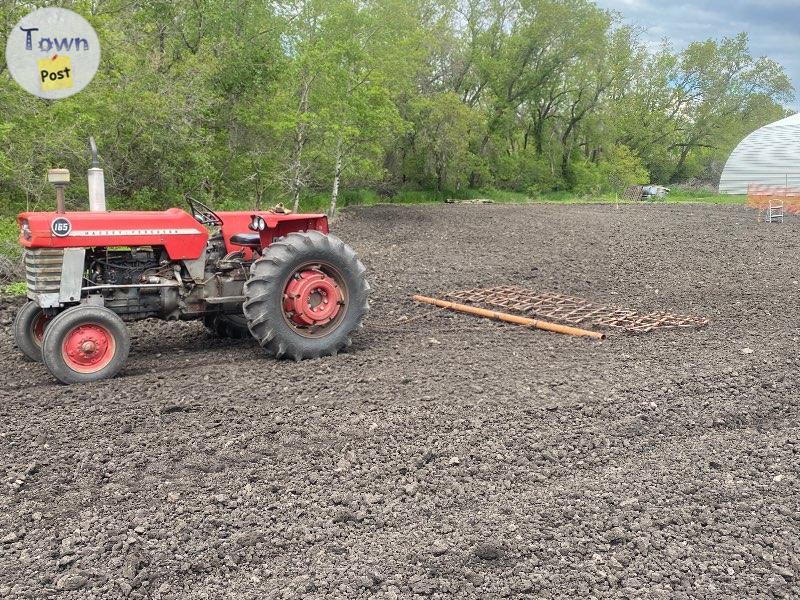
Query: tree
(371, 50)
(244, 100)
(717, 78)
(443, 130)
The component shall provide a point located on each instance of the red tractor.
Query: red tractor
(282, 278)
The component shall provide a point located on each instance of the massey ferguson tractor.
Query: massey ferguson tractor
(280, 277)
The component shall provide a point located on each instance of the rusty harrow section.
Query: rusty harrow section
(574, 310)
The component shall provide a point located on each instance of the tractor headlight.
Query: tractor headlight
(258, 223)
(25, 227)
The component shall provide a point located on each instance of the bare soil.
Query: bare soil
(442, 455)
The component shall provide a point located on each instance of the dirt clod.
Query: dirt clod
(9, 538)
(439, 547)
(71, 582)
(488, 551)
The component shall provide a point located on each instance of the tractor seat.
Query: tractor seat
(250, 240)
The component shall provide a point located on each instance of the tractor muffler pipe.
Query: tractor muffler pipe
(95, 179)
(516, 320)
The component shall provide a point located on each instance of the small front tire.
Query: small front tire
(29, 325)
(85, 344)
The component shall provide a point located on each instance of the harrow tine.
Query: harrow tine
(574, 310)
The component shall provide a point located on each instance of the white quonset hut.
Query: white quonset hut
(768, 156)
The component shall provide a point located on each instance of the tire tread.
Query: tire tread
(263, 306)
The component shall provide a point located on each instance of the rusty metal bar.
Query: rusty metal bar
(498, 316)
(60, 199)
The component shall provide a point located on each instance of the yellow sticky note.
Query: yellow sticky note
(55, 73)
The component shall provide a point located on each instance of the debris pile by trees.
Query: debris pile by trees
(263, 101)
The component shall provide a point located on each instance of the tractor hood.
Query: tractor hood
(174, 229)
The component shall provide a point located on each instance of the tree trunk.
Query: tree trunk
(538, 136)
(566, 168)
(566, 155)
(337, 175)
(299, 143)
(676, 175)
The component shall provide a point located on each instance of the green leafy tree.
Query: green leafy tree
(249, 101)
(717, 80)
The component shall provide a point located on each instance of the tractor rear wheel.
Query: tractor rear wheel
(227, 326)
(29, 327)
(84, 344)
(306, 295)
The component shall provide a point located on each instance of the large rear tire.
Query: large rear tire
(306, 295)
(29, 325)
(85, 344)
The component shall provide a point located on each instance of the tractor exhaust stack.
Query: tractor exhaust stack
(95, 179)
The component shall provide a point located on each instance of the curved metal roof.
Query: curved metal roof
(768, 156)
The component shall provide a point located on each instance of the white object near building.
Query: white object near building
(655, 191)
(769, 156)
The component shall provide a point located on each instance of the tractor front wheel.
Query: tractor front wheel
(29, 327)
(306, 295)
(84, 344)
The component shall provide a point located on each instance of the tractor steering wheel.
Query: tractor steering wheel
(202, 213)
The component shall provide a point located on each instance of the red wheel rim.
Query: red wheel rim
(37, 327)
(88, 348)
(313, 300)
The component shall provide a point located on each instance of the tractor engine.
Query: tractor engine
(121, 267)
(143, 282)
(119, 276)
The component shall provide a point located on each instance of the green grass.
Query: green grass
(704, 197)
(319, 202)
(675, 197)
(18, 288)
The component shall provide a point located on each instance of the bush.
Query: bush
(620, 168)
(9, 239)
(526, 172)
(616, 170)
(589, 179)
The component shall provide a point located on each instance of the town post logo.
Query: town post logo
(53, 53)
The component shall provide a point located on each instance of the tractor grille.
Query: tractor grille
(43, 270)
